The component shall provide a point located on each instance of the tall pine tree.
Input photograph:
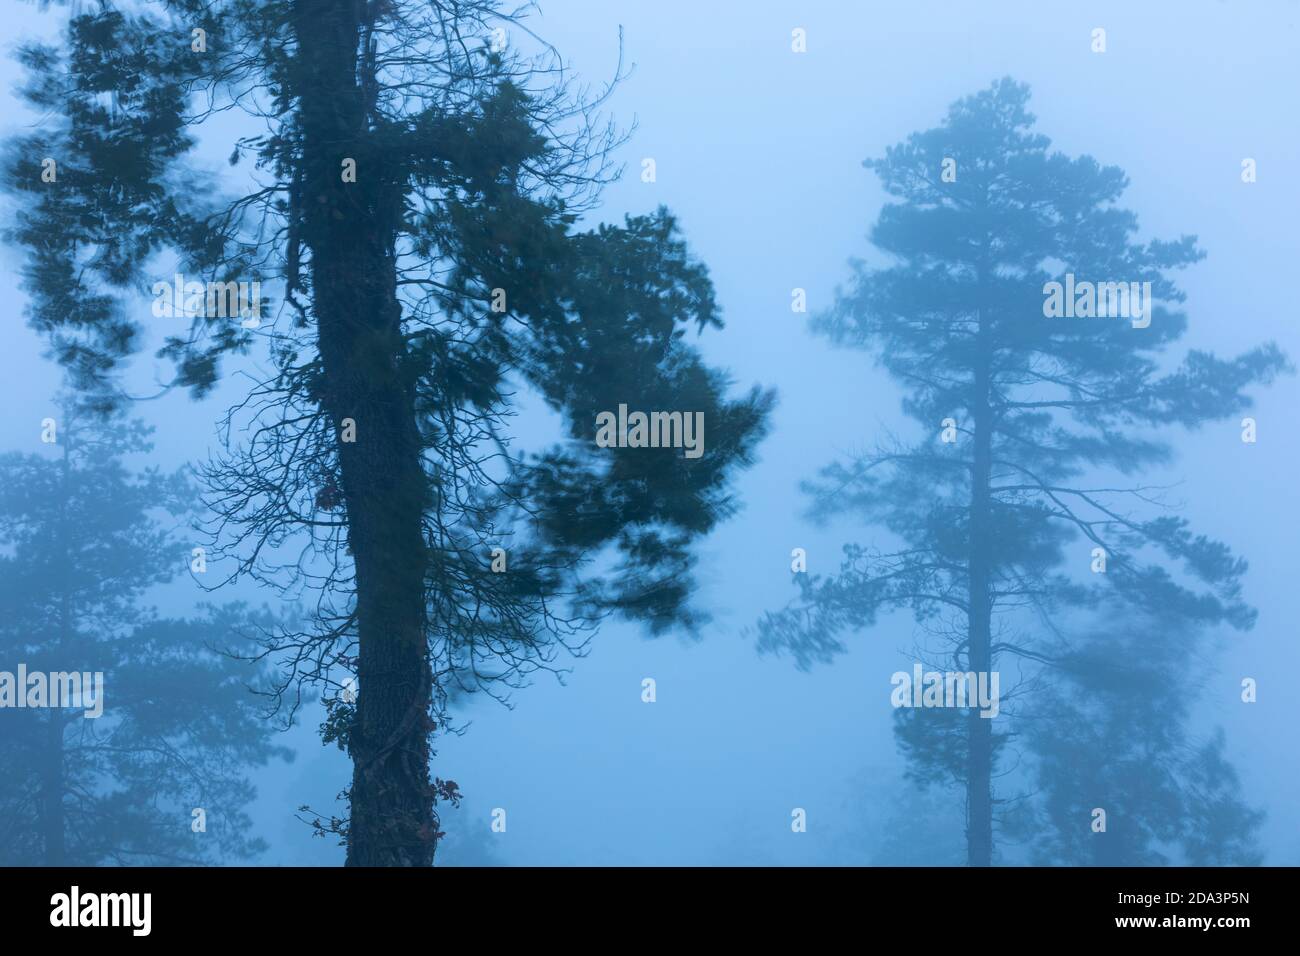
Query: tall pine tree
(415, 177)
(1032, 430)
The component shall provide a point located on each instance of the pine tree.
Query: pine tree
(1032, 425)
(418, 175)
(159, 775)
(1113, 730)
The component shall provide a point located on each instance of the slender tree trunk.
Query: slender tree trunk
(53, 829)
(350, 229)
(52, 814)
(979, 769)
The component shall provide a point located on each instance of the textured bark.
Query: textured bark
(350, 230)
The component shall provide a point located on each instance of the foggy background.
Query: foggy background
(758, 153)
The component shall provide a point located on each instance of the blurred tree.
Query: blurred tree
(896, 822)
(418, 173)
(82, 540)
(997, 508)
(1112, 730)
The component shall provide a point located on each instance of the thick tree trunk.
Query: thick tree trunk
(979, 768)
(350, 229)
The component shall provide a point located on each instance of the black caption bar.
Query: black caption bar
(334, 906)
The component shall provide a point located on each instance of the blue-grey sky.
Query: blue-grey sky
(758, 151)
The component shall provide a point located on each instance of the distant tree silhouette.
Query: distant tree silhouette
(82, 540)
(417, 175)
(898, 823)
(1111, 731)
(991, 534)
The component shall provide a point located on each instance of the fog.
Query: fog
(759, 152)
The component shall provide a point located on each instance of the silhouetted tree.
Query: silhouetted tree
(895, 822)
(418, 173)
(82, 541)
(1112, 730)
(992, 533)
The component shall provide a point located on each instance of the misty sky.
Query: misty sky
(759, 151)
